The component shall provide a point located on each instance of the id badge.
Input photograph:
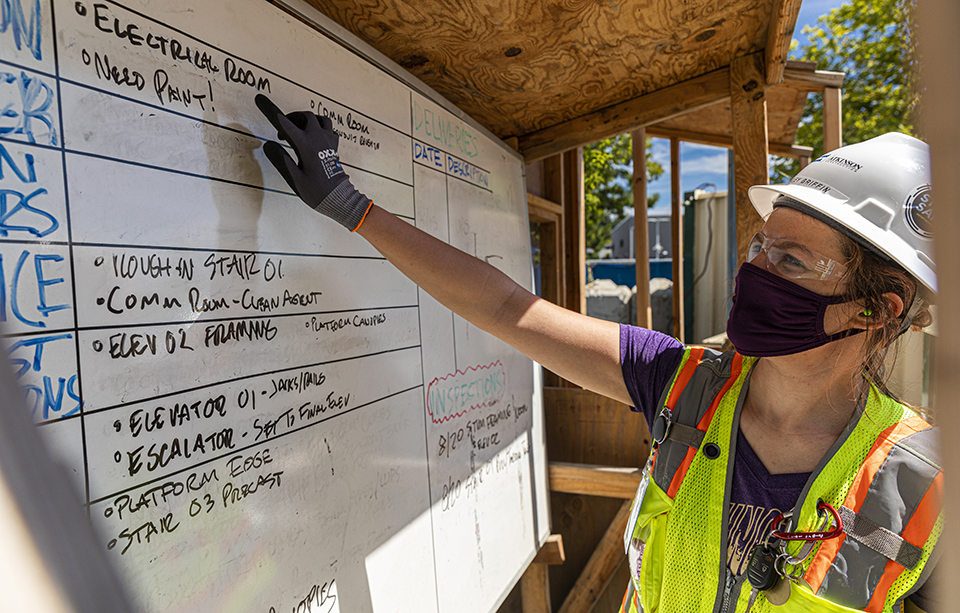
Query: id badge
(635, 511)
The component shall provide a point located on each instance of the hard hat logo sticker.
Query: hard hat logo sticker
(919, 212)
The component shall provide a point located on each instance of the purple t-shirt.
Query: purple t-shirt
(649, 360)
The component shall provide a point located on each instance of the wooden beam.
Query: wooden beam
(722, 140)
(749, 109)
(593, 480)
(811, 81)
(553, 191)
(535, 589)
(574, 230)
(677, 99)
(542, 217)
(940, 80)
(551, 552)
(832, 120)
(783, 21)
(600, 568)
(552, 208)
(641, 229)
(676, 238)
(552, 247)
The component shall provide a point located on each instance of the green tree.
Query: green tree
(872, 42)
(608, 186)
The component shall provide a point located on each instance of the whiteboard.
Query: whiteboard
(259, 411)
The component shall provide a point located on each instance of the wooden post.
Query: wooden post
(749, 114)
(641, 232)
(832, 119)
(553, 191)
(676, 238)
(575, 232)
(535, 589)
(940, 48)
(804, 161)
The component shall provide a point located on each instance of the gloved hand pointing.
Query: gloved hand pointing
(318, 179)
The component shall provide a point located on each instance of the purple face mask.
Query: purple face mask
(773, 316)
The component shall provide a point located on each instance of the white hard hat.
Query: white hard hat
(877, 192)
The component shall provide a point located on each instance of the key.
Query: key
(753, 597)
(761, 570)
(779, 594)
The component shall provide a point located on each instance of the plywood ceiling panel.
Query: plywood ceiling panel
(519, 66)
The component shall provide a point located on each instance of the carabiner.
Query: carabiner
(809, 536)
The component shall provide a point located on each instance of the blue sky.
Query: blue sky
(705, 164)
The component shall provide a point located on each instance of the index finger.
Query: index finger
(276, 118)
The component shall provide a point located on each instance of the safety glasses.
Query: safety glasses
(793, 260)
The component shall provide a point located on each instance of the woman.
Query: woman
(795, 431)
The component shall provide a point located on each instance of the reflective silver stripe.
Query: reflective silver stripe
(894, 494)
(708, 379)
(880, 539)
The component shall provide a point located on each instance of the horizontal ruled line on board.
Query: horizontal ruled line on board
(28, 69)
(198, 120)
(240, 450)
(24, 241)
(254, 64)
(180, 322)
(265, 373)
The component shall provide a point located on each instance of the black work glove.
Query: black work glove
(318, 179)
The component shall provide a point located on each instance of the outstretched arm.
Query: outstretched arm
(580, 349)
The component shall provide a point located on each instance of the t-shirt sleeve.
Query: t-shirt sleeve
(649, 360)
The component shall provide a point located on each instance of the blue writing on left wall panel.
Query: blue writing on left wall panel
(49, 395)
(26, 31)
(26, 108)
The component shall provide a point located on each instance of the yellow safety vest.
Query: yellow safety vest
(882, 474)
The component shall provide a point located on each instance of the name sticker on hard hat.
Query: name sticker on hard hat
(919, 212)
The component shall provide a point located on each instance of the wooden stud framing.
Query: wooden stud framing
(832, 119)
(748, 106)
(722, 140)
(553, 192)
(600, 568)
(641, 232)
(783, 20)
(545, 208)
(642, 111)
(811, 81)
(550, 217)
(574, 231)
(535, 582)
(592, 480)
(551, 552)
(676, 238)
(535, 589)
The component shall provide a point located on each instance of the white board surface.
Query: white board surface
(260, 412)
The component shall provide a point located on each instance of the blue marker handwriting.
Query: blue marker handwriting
(26, 33)
(31, 102)
(45, 394)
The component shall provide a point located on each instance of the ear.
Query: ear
(873, 321)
